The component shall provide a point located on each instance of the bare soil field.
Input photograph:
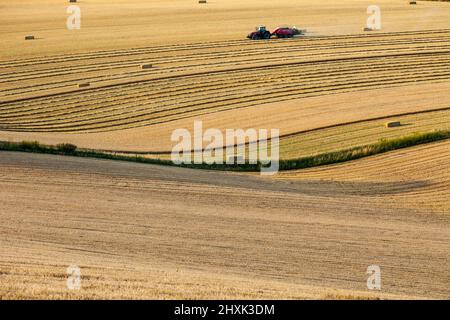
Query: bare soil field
(133, 235)
(143, 231)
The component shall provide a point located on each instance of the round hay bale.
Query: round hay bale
(29, 37)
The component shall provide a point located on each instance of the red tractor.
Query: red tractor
(287, 32)
(260, 33)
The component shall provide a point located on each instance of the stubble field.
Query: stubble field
(143, 231)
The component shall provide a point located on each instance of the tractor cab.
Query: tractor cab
(261, 29)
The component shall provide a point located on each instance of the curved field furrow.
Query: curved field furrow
(139, 121)
(175, 88)
(299, 49)
(345, 58)
(14, 90)
(293, 50)
(65, 116)
(228, 102)
(143, 103)
(426, 34)
(35, 113)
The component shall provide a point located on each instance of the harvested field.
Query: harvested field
(425, 166)
(222, 82)
(138, 70)
(360, 134)
(338, 137)
(304, 238)
(290, 117)
(211, 87)
(133, 22)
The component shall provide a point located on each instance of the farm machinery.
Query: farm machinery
(287, 32)
(261, 32)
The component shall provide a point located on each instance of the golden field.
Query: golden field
(144, 231)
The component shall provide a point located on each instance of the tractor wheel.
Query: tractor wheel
(255, 37)
(267, 35)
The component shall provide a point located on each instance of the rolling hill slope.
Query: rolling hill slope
(142, 231)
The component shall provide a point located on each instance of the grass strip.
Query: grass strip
(322, 159)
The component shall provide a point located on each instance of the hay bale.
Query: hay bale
(146, 66)
(413, 2)
(393, 124)
(73, 1)
(84, 85)
(29, 37)
(368, 29)
(202, 1)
